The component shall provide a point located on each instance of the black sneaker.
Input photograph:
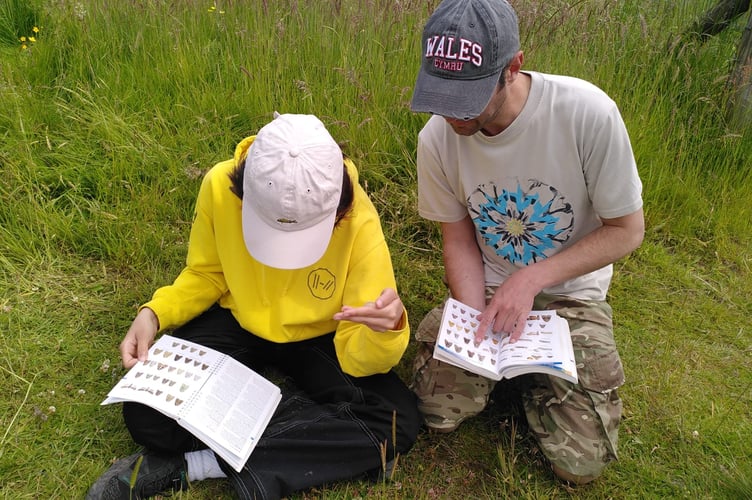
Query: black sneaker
(140, 475)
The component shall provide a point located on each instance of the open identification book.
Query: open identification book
(219, 400)
(544, 347)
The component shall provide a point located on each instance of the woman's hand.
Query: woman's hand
(385, 313)
(139, 338)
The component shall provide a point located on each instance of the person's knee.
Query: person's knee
(572, 463)
(155, 431)
(577, 429)
(406, 423)
(572, 478)
(448, 395)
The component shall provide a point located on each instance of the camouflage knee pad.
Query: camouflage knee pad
(447, 395)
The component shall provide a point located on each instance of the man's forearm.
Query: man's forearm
(607, 244)
(463, 264)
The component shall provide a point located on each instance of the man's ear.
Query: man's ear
(515, 65)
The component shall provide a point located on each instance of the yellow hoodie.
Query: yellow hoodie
(286, 305)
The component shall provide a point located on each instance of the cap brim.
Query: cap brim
(285, 249)
(461, 99)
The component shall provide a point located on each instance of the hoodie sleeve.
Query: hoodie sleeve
(360, 350)
(201, 282)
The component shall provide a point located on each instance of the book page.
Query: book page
(539, 344)
(232, 411)
(174, 372)
(457, 340)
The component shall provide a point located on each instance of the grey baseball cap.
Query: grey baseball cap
(466, 45)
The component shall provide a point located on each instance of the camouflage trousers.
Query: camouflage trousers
(576, 426)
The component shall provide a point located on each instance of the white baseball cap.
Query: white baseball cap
(291, 189)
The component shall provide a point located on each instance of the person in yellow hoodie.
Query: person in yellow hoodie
(287, 268)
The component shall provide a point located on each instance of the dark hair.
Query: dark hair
(345, 198)
(503, 77)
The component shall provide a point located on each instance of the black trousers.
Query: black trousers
(329, 427)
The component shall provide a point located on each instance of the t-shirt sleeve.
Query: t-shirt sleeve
(610, 169)
(436, 198)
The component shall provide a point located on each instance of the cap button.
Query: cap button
(294, 152)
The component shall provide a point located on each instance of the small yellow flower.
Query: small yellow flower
(24, 47)
(32, 39)
(23, 38)
(35, 29)
(212, 8)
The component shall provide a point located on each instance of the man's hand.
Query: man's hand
(139, 338)
(385, 313)
(509, 307)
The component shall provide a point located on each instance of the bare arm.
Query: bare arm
(463, 263)
(513, 300)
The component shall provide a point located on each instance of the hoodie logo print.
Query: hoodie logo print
(322, 283)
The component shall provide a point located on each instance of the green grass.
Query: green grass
(109, 119)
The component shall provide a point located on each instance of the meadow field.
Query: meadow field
(111, 112)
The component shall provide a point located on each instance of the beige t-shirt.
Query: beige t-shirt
(540, 185)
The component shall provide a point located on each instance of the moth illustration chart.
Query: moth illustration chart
(221, 401)
(545, 345)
